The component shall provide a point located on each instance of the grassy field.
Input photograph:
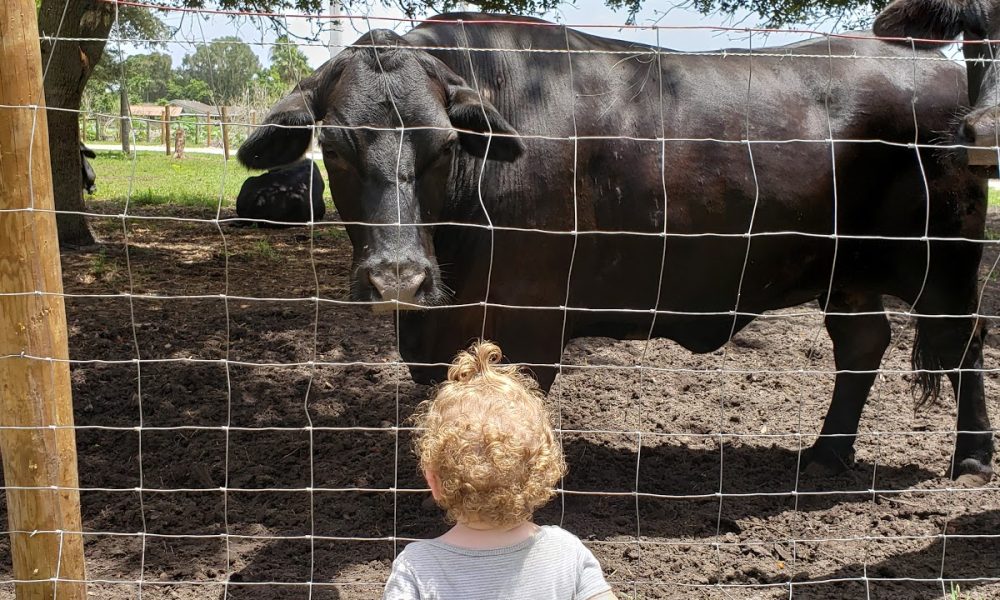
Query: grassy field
(151, 178)
(198, 180)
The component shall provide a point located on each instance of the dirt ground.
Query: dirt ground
(678, 539)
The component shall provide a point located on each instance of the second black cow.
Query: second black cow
(284, 196)
(87, 174)
(573, 185)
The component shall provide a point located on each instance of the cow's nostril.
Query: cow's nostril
(412, 285)
(379, 283)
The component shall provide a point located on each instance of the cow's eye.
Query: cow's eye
(330, 154)
(449, 144)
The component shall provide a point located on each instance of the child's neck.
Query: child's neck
(480, 536)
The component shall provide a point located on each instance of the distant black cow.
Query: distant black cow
(944, 20)
(283, 194)
(88, 175)
(618, 213)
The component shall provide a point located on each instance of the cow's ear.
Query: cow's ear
(287, 131)
(940, 20)
(478, 119)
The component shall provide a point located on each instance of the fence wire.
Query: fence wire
(243, 423)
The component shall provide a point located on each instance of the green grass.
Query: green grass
(957, 593)
(197, 180)
(99, 264)
(155, 178)
(263, 249)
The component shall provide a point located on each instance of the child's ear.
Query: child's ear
(434, 482)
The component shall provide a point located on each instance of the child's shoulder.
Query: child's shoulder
(417, 549)
(558, 535)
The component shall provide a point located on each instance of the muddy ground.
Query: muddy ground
(677, 540)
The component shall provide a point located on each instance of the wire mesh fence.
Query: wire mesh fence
(670, 244)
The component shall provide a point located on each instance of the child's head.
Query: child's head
(488, 439)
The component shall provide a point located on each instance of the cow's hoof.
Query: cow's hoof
(818, 461)
(972, 473)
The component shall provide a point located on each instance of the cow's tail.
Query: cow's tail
(926, 362)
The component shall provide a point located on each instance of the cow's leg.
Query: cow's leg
(533, 338)
(955, 345)
(859, 341)
(430, 339)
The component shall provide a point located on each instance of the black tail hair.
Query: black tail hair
(926, 385)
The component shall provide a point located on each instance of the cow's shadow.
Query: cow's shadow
(945, 567)
(681, 480)
(679, 487)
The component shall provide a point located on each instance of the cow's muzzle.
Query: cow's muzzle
(399, 285)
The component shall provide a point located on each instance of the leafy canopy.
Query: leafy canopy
(776, 13)
(784, 13)
(226, 64)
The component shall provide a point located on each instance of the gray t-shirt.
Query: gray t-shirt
(553, 564)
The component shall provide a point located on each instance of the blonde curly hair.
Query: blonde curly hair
(488, 437)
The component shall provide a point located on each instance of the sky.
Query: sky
(192, 30)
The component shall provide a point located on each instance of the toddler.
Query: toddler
(491, 459)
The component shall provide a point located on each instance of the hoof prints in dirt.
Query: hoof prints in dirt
(704, 431)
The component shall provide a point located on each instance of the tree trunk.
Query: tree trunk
(68, 65)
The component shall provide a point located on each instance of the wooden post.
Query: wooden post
(208, 130)
(37, 439)
(225, 133)
(166, 128)
(179, 142)
(253, 121)
(126, 123)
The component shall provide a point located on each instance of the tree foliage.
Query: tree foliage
(781, 13)
(226, 64)
(288, 63)
(142, 25)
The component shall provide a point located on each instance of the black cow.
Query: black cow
(88, 176)
(617, 198)
(288, 194)
(944, 20)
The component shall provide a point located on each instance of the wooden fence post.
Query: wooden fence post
(126, 122)
(225, 133)
(37, 439)
(208, 130)
(166, 128)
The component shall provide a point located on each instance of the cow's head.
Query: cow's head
(395, 122)
(944, 20)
